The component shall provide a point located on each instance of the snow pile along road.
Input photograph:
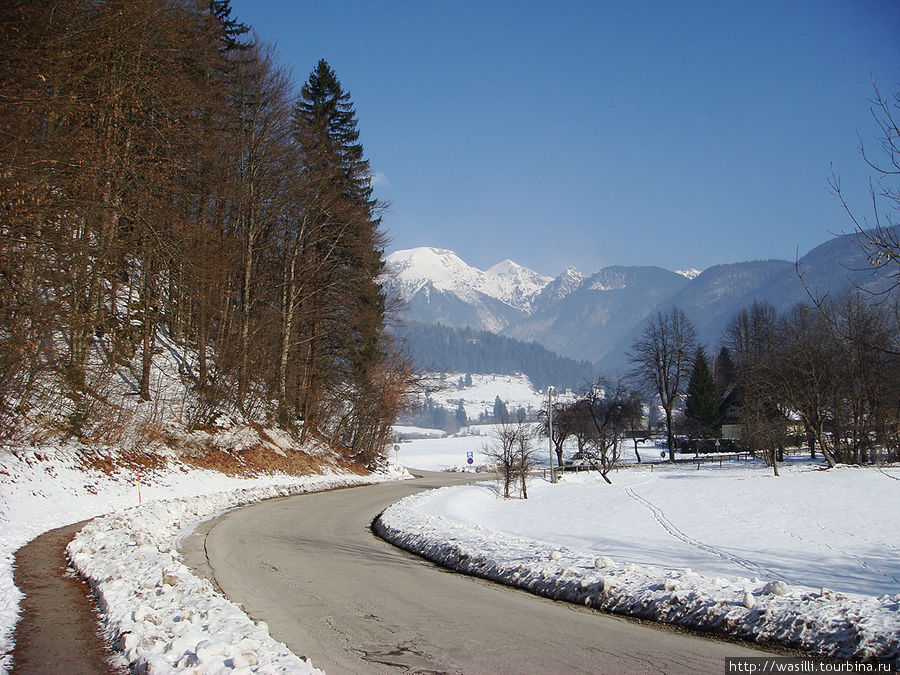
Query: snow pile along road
(161, 616)
(820, 621)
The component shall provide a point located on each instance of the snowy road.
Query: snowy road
(333, 592)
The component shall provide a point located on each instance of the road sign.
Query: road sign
(469, 457)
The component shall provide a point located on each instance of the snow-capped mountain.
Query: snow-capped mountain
(438, 287)
(412, 270)
(594, 315)
(568, 314)
(559, 288)
(597, 317)
(514, 284)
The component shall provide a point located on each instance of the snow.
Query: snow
(565, 283)
(448, 453)
(155, 610)
(516, 391)
(412, 269)
(808, 559)
(162, 617)
(689, 273)
(513, 284)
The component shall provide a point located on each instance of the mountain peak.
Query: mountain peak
(411, 270)
(504, 267)
(689, 273)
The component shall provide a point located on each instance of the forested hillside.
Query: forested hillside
(435, 347)
(161, 175)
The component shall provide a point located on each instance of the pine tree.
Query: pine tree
(325, 125)
(702, 404)
(501, 414)
(345, 333)
(725, 372)
(231, 29)
(461, 418)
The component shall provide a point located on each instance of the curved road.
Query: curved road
(333, 592)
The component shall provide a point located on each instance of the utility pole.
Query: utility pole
(550, 431)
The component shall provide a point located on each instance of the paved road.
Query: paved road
(332, 591)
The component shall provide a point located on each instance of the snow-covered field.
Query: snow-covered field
(446, 453)
(433, 450)
(155, 610)
(810, 558)
(516, 391)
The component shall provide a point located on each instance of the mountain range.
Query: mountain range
(597, 317)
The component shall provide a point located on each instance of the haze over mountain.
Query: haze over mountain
(596, 317)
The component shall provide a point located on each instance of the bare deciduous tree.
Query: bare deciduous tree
(611, 412)
(154, 180)
(880, 236)
(752, 338)
(512, 453)
(661, 358)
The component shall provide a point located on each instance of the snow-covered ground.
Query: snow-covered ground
(155, 610)
(446, 453)
(433, 450)
(516, 391)
(811, 558)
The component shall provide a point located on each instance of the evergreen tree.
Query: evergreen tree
(702, 404)
(325, 124)
(726, 377)
(500, 412)
(346, 333)
(461, 418)
(232, 30)
(725, 372)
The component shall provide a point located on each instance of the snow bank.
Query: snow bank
(821, 621)
(162, 617)
(42, 489)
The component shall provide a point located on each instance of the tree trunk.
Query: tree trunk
(202, 337)
(670, 434)
(823, 446)
(148, 330)
(244, 373)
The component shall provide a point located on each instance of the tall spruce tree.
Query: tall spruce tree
(461, 418)
(347, 253)
(325, 124)
(501, 414)
(232, 30)
(702, 403)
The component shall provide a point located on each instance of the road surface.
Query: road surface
(333, 592)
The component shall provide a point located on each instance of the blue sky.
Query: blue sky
(678, 134)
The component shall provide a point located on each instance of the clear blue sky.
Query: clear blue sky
(678, 134)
